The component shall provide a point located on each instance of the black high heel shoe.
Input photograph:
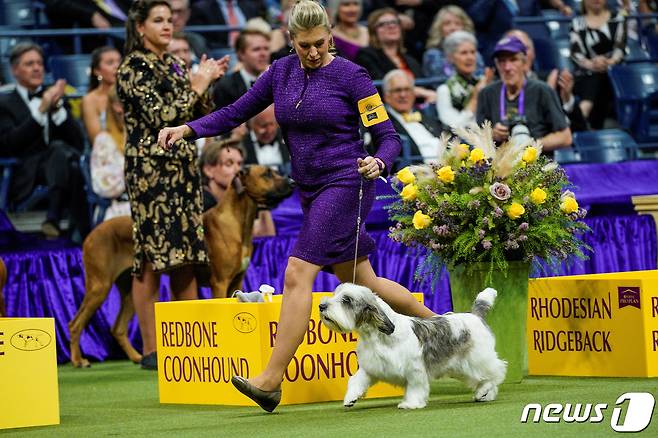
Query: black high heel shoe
(268, 400)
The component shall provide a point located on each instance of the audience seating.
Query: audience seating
(605, 146)
(73, 68)
(635, 87)
(19, 13)
(97, 204)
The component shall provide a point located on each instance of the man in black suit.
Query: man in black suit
(36, 128)
(228, 13)
(253, 50)
(422, 131)
(263, 143)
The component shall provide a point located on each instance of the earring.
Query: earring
(100, 78)
(141, 35)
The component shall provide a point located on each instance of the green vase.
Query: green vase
(507, 318)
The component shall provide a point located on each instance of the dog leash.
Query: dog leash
(358, 228)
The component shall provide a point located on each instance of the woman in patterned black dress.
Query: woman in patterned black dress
(163, 186)
(598, 41)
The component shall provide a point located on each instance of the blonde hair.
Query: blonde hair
(435, 38)
(306, 15)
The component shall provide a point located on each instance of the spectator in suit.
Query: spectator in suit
(37, 128)
(386, 51)
(253, 50)
(226, 12)
(180, 47)
(263, 143)
(181, 15)
(220, 162)
(421, 130)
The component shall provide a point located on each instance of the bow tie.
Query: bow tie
(413, 116)
(262, 145)
(38, 93)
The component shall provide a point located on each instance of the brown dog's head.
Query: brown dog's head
(265, 186)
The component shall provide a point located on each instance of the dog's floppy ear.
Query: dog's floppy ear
(373, 315)
(237, 182)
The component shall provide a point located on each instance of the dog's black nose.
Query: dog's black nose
(323, 307)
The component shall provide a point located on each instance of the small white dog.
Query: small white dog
(408, 351)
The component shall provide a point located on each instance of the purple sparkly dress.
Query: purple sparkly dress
(319, 112)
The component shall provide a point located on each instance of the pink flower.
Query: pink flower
(500, 191)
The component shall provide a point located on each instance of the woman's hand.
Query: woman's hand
(209, 71)
(168, 136)
(369, 167)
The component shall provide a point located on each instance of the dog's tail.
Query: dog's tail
(483, 302)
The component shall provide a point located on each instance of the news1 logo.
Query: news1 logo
(636, 419)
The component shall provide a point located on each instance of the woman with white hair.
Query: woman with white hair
(448, 20)
(349, 35)
(457, 98)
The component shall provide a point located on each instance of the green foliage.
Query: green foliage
(522, 213)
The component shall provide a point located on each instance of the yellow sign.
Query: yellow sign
(202, 344)
(594, 325)
(28, 372)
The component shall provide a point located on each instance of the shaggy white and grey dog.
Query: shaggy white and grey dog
(408, 351)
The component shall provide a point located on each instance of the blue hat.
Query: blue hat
(510, 44)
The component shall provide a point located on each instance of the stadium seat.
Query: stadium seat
(97, 204)
(73, 68)
(221, 52)
(17, 13)
(635, 87)
(566, 156)
(604, 146)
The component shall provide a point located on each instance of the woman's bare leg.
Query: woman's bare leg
(396, 295)
(293, 322)
(145, 290)
(586, 107)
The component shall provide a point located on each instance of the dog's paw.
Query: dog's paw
(406, 404)
(486, 392)
(349, 403)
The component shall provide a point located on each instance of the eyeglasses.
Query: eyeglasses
(395, 22)
(400, 90)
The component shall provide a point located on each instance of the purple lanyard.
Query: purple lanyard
(503, 96)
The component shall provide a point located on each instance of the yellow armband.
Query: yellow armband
(372, 110)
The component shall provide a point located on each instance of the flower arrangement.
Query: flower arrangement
(480, 203)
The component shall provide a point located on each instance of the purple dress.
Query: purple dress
(318, 111)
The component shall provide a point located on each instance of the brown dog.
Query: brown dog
(3, 281)
(108, 252)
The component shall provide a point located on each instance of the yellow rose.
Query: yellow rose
(446, 174)
(538, 196)
(409, 192)
(462, 151)
(569, 205)
(421, 220)
(515, 210)
(477, 154)
(406, 176)
(530, 154)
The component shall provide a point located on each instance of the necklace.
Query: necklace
(351, 32)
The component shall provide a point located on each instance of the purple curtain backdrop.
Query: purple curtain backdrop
(46, 278)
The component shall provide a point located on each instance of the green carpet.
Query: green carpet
(119, 399)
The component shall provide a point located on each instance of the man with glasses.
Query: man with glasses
(180, 15)
(516, 104)
(421, 131)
